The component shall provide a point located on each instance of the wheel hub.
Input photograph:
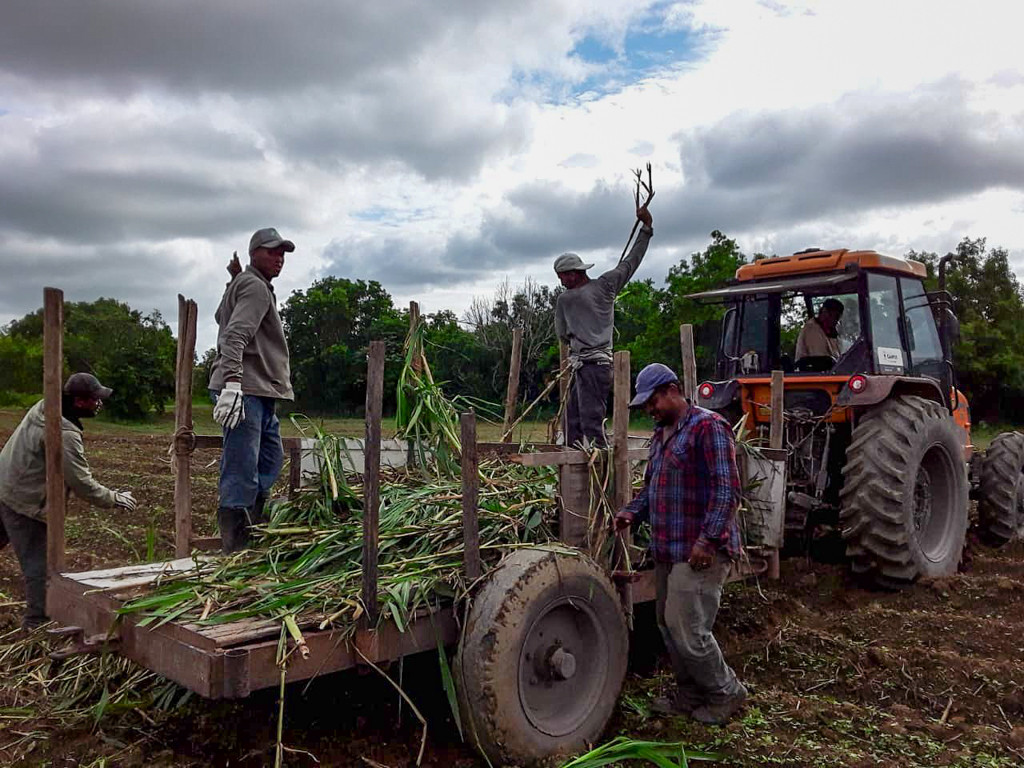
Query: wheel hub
(922, 500)
(562, 666)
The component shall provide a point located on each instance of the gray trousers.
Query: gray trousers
(687, 605)
(28, 537)
(588, 404)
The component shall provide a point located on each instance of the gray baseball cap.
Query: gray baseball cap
(649, 379)
(86, 385)
(269, 238)
(570, 262)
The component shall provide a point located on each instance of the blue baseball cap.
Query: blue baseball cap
(649, 379)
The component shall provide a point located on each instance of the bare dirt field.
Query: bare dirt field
(839, 675)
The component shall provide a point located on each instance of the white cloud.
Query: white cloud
(442, 148)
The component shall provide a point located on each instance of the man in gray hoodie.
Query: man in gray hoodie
(23, 483)
(584, 319)
(250, 373)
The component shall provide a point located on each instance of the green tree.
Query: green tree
(329, 328)
(648, 318)
(132, 353)
(989, 303)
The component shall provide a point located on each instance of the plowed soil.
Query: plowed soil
(839, 675)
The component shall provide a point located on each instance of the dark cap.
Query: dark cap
(86, 385)
(269, 238)
(649, 379)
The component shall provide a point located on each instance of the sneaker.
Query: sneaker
(721, 711)
(684, 702)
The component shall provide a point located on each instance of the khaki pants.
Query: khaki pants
(687, 605)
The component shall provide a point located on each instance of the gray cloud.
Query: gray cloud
(811, 173)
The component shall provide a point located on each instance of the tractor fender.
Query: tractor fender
(723, 394)
(881, 388)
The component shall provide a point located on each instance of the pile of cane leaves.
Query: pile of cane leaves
(622, 749)
(305, 566)
(80, 690)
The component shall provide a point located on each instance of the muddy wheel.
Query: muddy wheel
(542, 658)
(1001, 490)
(904, 496)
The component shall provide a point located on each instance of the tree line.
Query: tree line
(330, 324)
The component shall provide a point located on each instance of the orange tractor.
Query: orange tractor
(877, 440)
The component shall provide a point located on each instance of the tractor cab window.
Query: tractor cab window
(753, 347)
(819, 333)
(884, 311)
(922, 334)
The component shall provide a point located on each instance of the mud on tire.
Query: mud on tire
(1001, 490)
(904, 497)
(542, 658)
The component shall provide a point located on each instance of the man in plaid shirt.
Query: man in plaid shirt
(690, 496)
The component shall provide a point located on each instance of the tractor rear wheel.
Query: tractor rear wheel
(904, 497)
(1001, 490)
(542, 657)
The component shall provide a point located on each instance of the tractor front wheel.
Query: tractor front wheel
(542, 658)
(904, 497)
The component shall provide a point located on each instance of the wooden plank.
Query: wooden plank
(621, 468)
(567, 458)
(689, 361)
(131, 575)
(512, 390)
(53, 368)
(775, 435)
(216, 442)
(574, 514)
(371, 477)
(470, 490)
(183, 426)
(294, 468)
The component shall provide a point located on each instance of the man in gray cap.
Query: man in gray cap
(584, 319)
(690, 496)
(250, 373)
(23, 483)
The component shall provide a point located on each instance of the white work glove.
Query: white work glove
(125, 500)
(228, 411)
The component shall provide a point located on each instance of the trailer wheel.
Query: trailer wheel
(1001, 490)
(542, 658)
(904, 497)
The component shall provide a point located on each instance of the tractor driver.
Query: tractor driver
(820, 335)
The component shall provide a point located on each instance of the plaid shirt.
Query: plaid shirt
(691, 488)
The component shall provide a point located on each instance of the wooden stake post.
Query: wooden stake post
(371, 478)
(512, 392)
(776, 437)
(689, 361)
(623, 476)
(470, 492)
(53, 368)
(184, 437)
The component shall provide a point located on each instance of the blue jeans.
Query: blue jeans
(253, 455)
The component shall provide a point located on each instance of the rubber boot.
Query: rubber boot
(233, 523)
(260, 514)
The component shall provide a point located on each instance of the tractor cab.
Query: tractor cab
(891, 335)
(869, 402)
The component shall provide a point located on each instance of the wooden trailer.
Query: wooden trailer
(232, 660)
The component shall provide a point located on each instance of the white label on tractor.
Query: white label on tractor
(890, 360)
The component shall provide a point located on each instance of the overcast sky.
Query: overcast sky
(440, 147)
